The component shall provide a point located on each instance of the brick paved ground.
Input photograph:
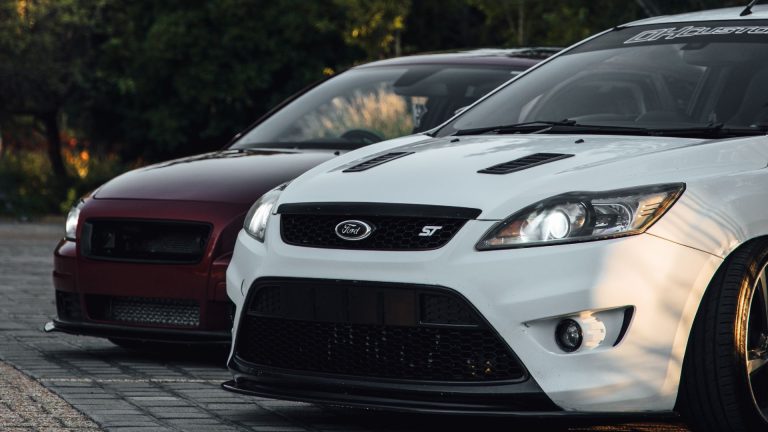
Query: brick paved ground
(25, 405)
(132, 392)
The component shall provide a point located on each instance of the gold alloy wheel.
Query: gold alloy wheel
(756, 344)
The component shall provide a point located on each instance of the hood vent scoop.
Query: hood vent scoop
(378, 160)
(526, 162)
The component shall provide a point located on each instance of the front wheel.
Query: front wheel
(724, 385)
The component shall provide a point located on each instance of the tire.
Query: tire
(717, 393)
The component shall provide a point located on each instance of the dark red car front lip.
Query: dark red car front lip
(138, 333)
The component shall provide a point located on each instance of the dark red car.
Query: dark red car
(145, 255)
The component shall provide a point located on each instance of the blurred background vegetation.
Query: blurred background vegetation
(91, 88)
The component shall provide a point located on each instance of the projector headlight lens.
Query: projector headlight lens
(583, 216)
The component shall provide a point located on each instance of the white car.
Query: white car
(592, 237)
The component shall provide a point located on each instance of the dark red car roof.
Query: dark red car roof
(522, 57)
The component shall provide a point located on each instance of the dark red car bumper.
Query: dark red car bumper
(148, 299)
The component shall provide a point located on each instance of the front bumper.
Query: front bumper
(522, 293)
(169, 302)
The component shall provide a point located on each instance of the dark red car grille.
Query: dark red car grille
(145, 241)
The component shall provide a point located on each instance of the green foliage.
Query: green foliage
(28, 188)
(680, 6)
(374, 25)
(199, 72)
(445, 24)
(554, 23)
(43, 47)
(25, 185)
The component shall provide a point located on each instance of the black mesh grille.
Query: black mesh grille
(349, 328)
(141, 310)
(68, 306)
(176, 242)
(524, 163)
(267, 301)
(441, 309)
(421, 353)
(389, 232)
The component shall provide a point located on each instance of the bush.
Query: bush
(29, 189)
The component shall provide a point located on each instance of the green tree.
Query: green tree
(375, 25)
(660, 7)
(444, 25)
(44, 46)
(563, 22)
(506, 18)
(179, 77)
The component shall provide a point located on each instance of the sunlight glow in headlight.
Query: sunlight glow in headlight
(583, 216)
(70, 226)
(256, 220)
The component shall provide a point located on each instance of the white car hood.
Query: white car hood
(444, 171)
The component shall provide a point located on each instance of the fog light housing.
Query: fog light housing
(569, 335)
(581, 332)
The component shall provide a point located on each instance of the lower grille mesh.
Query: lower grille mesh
(374, 330)
(440, 309)
(424, 353)
(142, 310)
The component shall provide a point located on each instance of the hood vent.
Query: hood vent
(378, 160)
(524, 163)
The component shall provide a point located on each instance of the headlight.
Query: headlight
(583, 216)
(257, 217)
(70, 227)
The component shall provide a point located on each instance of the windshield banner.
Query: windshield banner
(690, 31)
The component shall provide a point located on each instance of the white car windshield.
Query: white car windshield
(690, 79)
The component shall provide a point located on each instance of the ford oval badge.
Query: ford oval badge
(353, 230)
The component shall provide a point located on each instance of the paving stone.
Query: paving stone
(26, 405)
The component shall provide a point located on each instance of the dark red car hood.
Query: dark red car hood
(230, 176)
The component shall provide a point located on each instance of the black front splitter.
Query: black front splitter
(409, 396)
(113, 331)
(527, 405)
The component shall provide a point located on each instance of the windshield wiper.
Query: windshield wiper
(716, 130)
(564, 126)
(712, 130)
(516, 127)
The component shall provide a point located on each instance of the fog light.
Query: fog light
(568, 335)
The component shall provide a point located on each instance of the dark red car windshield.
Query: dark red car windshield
(374, 103)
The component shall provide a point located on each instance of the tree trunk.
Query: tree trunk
(398, 42)
(53, 136)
